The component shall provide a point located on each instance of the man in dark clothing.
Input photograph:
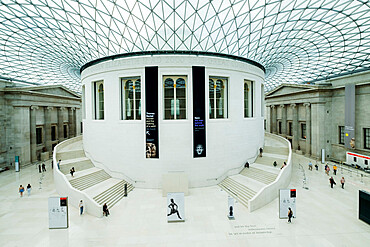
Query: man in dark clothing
(331, 180)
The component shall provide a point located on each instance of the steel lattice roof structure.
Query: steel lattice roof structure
(297, 41)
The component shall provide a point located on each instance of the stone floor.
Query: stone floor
(325, 216)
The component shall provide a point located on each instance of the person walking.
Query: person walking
(342, 182)
(105, 210)
(327, 170)
(39, 168)
(261, 151)
(21, 190)
(316, 166)
(29, 189)
(290, 215)
(310, 166)
(43, 167)
(81, 206)
(72, 170)
(275, 163)
(335, 169)
(332, 182)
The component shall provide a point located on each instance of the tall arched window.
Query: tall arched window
(131, 96)
(174, 97)
(98, 100)
(217, 97)
(248, 98)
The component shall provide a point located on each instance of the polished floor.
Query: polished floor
(325, 216)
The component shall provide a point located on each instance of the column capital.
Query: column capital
(307, 104)
(293, 105)
(72, 108)
(282, 106)
(272, 106)
(49, 108)
(34, 107)
(61, 108)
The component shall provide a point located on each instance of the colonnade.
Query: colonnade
(294, 118)
(47, 140)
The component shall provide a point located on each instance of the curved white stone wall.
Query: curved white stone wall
(121, 144)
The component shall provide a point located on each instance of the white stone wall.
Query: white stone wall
(120, 144)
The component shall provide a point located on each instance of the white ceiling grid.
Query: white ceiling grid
(47, 41)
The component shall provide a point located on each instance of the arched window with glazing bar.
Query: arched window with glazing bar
(174, 97)
(131, 98)
(218, 97)
(98, 100)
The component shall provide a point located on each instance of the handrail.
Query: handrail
(64, 187)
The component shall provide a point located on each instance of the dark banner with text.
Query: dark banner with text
(199, 111)
(151, 112)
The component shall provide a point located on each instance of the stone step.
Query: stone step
(113, 194)
(79, 164)
(236, 189)
(72, 154)
(276, 150)
(89, 180)
(259, 175)
(266, 160)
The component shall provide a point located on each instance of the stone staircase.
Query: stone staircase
(94, 181)
(238, 190)
(257, 176)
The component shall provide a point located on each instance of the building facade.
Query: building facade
(149, 115)
(34, 119)
(312, 117)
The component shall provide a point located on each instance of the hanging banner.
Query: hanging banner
(151, 112)
(199, 123)
(287, 199)
(175, 207)
(58, 212)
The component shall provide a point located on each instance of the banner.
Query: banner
(151, 112)
(199, 123)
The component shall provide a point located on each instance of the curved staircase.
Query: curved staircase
(94, 181)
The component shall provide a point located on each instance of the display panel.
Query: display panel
(151, 112)
(199, 112)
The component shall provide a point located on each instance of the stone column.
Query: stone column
(273, 119)
(308, 128)
(60, 123)
(295, 126)
(283, 121)
(47, 131)
(71, 122)
(33, 133)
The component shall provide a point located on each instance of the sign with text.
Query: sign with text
(287, 199)
(151, 112)
(199, 123)
(58, 212)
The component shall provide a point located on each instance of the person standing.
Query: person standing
(332, 182)
(72, 170)
(39, 168)
(290, 215)
(21, 190)
(275, 163)
(335, 169)
(310, 166)
(81, 206)
(105, 210)
(261, 151)
(43, 167)
(327, 170)
(29, 189)
(342, 182)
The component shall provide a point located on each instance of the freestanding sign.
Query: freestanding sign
(175, 206)
(16, 163)
(230, 203)
(58, 212)
(287, 199)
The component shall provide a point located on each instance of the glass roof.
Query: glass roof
(297, 41)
